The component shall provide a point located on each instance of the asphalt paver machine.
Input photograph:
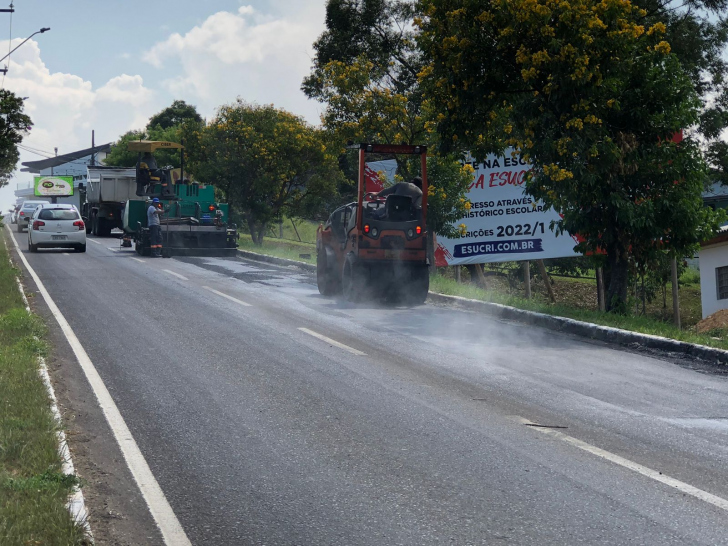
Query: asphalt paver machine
(376, 247)
(193, 223)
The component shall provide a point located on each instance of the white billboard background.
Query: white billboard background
(504, 224)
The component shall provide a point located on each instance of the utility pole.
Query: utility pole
(93, 152)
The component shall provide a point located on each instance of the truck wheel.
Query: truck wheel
(94, 224)
(326, 280)
(418, 287)
(81, 248)
(20, 227)
(353, 280)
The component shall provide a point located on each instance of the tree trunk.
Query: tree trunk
(261, 234)
(618, 282)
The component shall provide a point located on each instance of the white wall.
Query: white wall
(712, 257)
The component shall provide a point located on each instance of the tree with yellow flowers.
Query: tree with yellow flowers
(592, 95)
(365, 72)
(265, 161)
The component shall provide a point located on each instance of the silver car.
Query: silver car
(25, 212)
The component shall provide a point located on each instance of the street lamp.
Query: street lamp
(41, 31)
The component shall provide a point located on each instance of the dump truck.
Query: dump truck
(376, 247)
(104, 197)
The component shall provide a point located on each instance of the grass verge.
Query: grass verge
(33, 489)
(291, 250)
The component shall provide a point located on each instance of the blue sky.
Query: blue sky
(108, 65)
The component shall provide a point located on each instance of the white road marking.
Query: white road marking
(66, 254)
(138, 260)
(635, 467)
(161, 511)
(94, 242)
(113, 249)
(236, 300)
(176, 274)
(332, 342)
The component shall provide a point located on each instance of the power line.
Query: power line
(30, 150)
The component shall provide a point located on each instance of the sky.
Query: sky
(108, 65)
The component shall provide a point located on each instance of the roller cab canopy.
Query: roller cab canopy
(153, 145)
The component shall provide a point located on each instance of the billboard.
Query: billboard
(504, 224)
(53, 186)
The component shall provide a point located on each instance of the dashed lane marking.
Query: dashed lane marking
(138, 260)
(113, 249)
(631, 465)
(172, 532)
(94, 242)
(176, 274)
(332, 342)
(236, 300)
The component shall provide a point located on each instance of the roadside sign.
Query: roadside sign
(53, 186)
(504, 224)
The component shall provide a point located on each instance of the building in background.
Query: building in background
(72, 164)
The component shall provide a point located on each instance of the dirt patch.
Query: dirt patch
(716, 321)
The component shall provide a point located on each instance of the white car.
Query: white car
(25, 212)
(56, 226)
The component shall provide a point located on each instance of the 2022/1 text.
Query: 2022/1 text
(520, 229)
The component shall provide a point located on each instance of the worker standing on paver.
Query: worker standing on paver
(155, 227)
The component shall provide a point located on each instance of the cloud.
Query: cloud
(259, 57)
(65, 107)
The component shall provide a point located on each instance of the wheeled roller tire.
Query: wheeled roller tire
(326, 280)
(354, 280)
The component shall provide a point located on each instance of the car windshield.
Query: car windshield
(58, 214)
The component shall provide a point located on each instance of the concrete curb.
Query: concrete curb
(550, 322)
(584, 329)
(274, 260)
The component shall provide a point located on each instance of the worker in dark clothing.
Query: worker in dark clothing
(155, 227)
(410, 189)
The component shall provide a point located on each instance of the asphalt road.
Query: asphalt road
(259, 432)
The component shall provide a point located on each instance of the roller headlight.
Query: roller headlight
(410, 233)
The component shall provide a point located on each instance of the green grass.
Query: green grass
(33, 490)
(306, 230)
(281, 249)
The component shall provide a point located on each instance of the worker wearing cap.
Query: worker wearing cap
(155, 228)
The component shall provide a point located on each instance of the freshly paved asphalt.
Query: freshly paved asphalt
(259, 433)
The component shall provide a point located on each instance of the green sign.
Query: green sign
(53, 186)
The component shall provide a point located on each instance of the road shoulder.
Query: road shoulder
(118, 513)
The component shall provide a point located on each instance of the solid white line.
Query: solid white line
(92, 241)
(138, 260)
(236, 300)
(332, 342)
(635, 467)
(176, 274)
(159, 507)
(76, 504)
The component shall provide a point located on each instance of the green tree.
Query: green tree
(366, 74)
(14, 125)
(594, 99)
(266, 161)
(120, 156)
(174, 115)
